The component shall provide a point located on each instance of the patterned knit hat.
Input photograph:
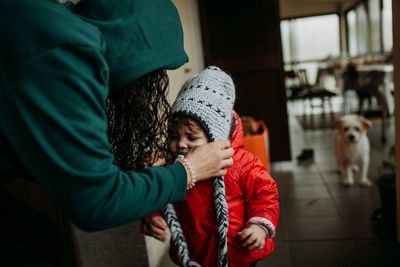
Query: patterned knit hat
(208, 98)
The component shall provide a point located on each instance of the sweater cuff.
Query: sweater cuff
(178, 171)
(264, 222)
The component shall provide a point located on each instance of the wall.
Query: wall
(396, 78)
(188, 11)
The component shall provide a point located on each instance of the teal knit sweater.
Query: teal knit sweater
(54, 80)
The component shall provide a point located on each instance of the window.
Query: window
(285, 38)
(375, 26)
(369, 27)
(352, 32)
(311, 38)
(387, 25)
(362, 29)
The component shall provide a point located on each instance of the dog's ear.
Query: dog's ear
(337, 124)
(366, 123)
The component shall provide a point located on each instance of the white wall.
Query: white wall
(188, 11)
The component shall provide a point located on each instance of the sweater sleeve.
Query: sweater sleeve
(53, 116)
(260, 195)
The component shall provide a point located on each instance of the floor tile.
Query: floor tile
(341, 191)
(305, 208)
(355, 206)
(359, 227)
(324, 254)
(280, 257)
(310, 178)
(319, 228)
(305, 192)
(373, 253)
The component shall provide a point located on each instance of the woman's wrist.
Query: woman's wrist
(191, 176)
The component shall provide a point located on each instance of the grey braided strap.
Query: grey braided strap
(221, 210)
(177, 236)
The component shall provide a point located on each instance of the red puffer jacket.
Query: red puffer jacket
(251, 195)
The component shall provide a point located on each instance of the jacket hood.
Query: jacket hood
(237, 139)
(140, 36)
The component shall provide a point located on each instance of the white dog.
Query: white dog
(352, 148)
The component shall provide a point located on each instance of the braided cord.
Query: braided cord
(177, 236)
(221, 209)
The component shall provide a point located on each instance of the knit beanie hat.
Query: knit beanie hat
(140, 36)
(208, 98)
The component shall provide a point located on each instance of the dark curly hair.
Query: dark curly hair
(137, 117)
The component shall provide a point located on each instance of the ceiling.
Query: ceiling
(302, 8)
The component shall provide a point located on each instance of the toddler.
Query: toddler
(228, 220)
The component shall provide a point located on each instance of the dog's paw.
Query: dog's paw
(365, 183)
(347, 182)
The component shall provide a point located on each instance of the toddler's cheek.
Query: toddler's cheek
(172, 147)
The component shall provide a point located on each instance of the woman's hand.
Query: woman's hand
(157, 228)
(210, 160)
(253, 236)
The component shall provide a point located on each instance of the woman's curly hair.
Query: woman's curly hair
(137, 117)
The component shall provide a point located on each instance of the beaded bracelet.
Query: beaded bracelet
(192, 174)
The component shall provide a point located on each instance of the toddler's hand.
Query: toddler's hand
(157, 226)
(253, 236)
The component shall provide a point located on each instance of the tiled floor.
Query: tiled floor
(323, 223)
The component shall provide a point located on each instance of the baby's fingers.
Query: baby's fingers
(259, 244)
(157, 231)
(249, 241)
(244, 234)
(159, 222)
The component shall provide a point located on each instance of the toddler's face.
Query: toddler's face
(187, 135)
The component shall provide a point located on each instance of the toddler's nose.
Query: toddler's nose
(182, 144)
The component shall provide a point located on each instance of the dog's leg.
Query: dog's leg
(347, 175)
(339, 167)
(364, 181)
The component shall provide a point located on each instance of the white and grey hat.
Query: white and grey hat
(208, 98)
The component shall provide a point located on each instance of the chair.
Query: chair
(318, 91)
(369, 86)
(292, 84)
